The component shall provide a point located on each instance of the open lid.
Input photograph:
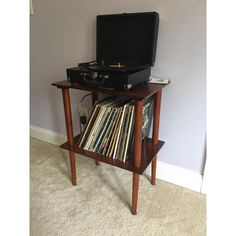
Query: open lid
(128, 38)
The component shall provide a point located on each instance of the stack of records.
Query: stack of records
(110, 129)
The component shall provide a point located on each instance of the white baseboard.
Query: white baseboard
(177, 175)
(170, 173)
(47, 135)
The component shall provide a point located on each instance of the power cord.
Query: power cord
(82, 117)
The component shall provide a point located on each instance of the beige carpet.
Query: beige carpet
(100, 203)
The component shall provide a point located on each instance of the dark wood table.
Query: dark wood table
(145, 152)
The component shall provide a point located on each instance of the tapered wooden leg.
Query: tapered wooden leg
(69, 131)
(135, 193)
(94, 99)
(156, 121)
(137, 153)
(154, 164)
(73, 167)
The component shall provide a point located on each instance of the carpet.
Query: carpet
(100, 203)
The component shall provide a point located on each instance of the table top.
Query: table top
(139, 92)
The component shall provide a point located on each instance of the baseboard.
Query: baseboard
(47, 135)
(179, 176)
(170, 173)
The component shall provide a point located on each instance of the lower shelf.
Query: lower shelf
(149, 151)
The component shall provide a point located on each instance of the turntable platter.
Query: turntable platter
(115, 68)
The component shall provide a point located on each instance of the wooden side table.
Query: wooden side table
(145, 152)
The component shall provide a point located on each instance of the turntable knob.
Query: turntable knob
(94, 75)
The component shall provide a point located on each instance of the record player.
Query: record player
(125, 51)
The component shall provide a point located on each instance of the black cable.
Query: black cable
(85, 97)
(83, 119)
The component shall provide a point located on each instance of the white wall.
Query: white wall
(63, 33)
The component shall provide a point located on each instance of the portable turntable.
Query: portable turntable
(125, 51)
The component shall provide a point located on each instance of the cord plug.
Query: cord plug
(83, 120)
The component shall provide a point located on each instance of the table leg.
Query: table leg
(154, 166)
(69, 131)
(137, 153)
(73, 167)
(156, 120)
(135, 193)
(94, 99)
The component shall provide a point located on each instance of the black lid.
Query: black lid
(128, 38)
